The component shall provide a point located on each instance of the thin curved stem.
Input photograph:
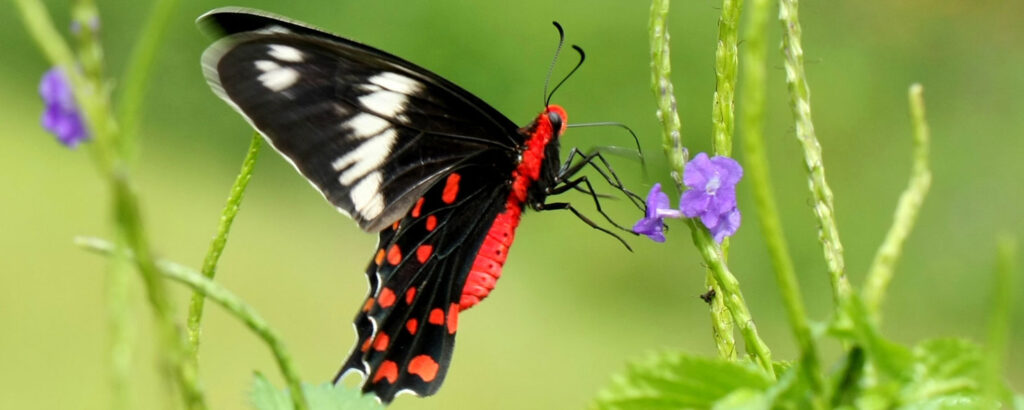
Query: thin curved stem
(234, 202)
(229, 301)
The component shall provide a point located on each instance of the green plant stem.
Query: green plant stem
(907, 209)
(661, 84)
(228, 301)
(999, 321)
(129, 227)
(752, 99)
(41, 28)
(133, 89)
(732, 296)
(121, 329)
(195, 311)
(668, 116)
(92, 97)
(723, 107)
(800, 102)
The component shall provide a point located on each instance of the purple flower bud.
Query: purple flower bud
(61, 116)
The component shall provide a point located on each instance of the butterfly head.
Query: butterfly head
(555, 117)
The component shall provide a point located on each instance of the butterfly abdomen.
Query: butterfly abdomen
(490, 259)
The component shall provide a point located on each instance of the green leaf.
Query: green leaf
(326, 396)
(676, 381)
(946, 369)
(744, 399)
(264, 396)
(954, 402)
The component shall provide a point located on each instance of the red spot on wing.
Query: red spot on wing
(388, 370)
(387, 298)
(453, 318)
(366, 345)
(380, 256)
(368, 305)
(395, 225)
(451, 188)
(410, 295)
(411, 326)
(436, 317)
(423, 252)
(381, 342)
(424, 366)
(416, 209)
(431, 222)
(394, 255)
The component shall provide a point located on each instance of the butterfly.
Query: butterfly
(441, 176)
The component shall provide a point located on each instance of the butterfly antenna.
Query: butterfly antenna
(551, 68)
(583, 56)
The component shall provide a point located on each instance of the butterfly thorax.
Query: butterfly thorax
(534, 173)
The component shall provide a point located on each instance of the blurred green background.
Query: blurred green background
(574, 305)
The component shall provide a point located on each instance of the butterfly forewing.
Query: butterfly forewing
(372, 132)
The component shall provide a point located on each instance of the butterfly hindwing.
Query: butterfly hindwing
(406, 329)
(371, 131)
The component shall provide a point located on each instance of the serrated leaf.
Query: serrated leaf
(326, 396)
(945, 371)
(954, 402)
(264, 396)
(678, 381)
(744, 399)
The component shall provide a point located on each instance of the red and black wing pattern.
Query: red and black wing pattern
(371, 131)
(401, 150)
(406, 328)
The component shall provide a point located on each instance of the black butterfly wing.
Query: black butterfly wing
(406, 328)
(401, 150)
(371, 131)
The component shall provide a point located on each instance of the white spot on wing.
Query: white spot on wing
(367, 125)
(267, 65)
(367, 157)
(285, 53)
(384, 102)
(279, 79)
(397, 83)
(366, 197)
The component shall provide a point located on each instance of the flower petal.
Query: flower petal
(652, 228)
(730, 223)
(694, 202)
(61, 116)
(728, 170)
(698, 171)
(656, 200)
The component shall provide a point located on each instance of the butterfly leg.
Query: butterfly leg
(569, 169)
(565, 205)
(575, 184)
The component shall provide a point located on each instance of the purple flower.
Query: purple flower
(652, 224)
(712, 193)
(711, 197)
(61, 116)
